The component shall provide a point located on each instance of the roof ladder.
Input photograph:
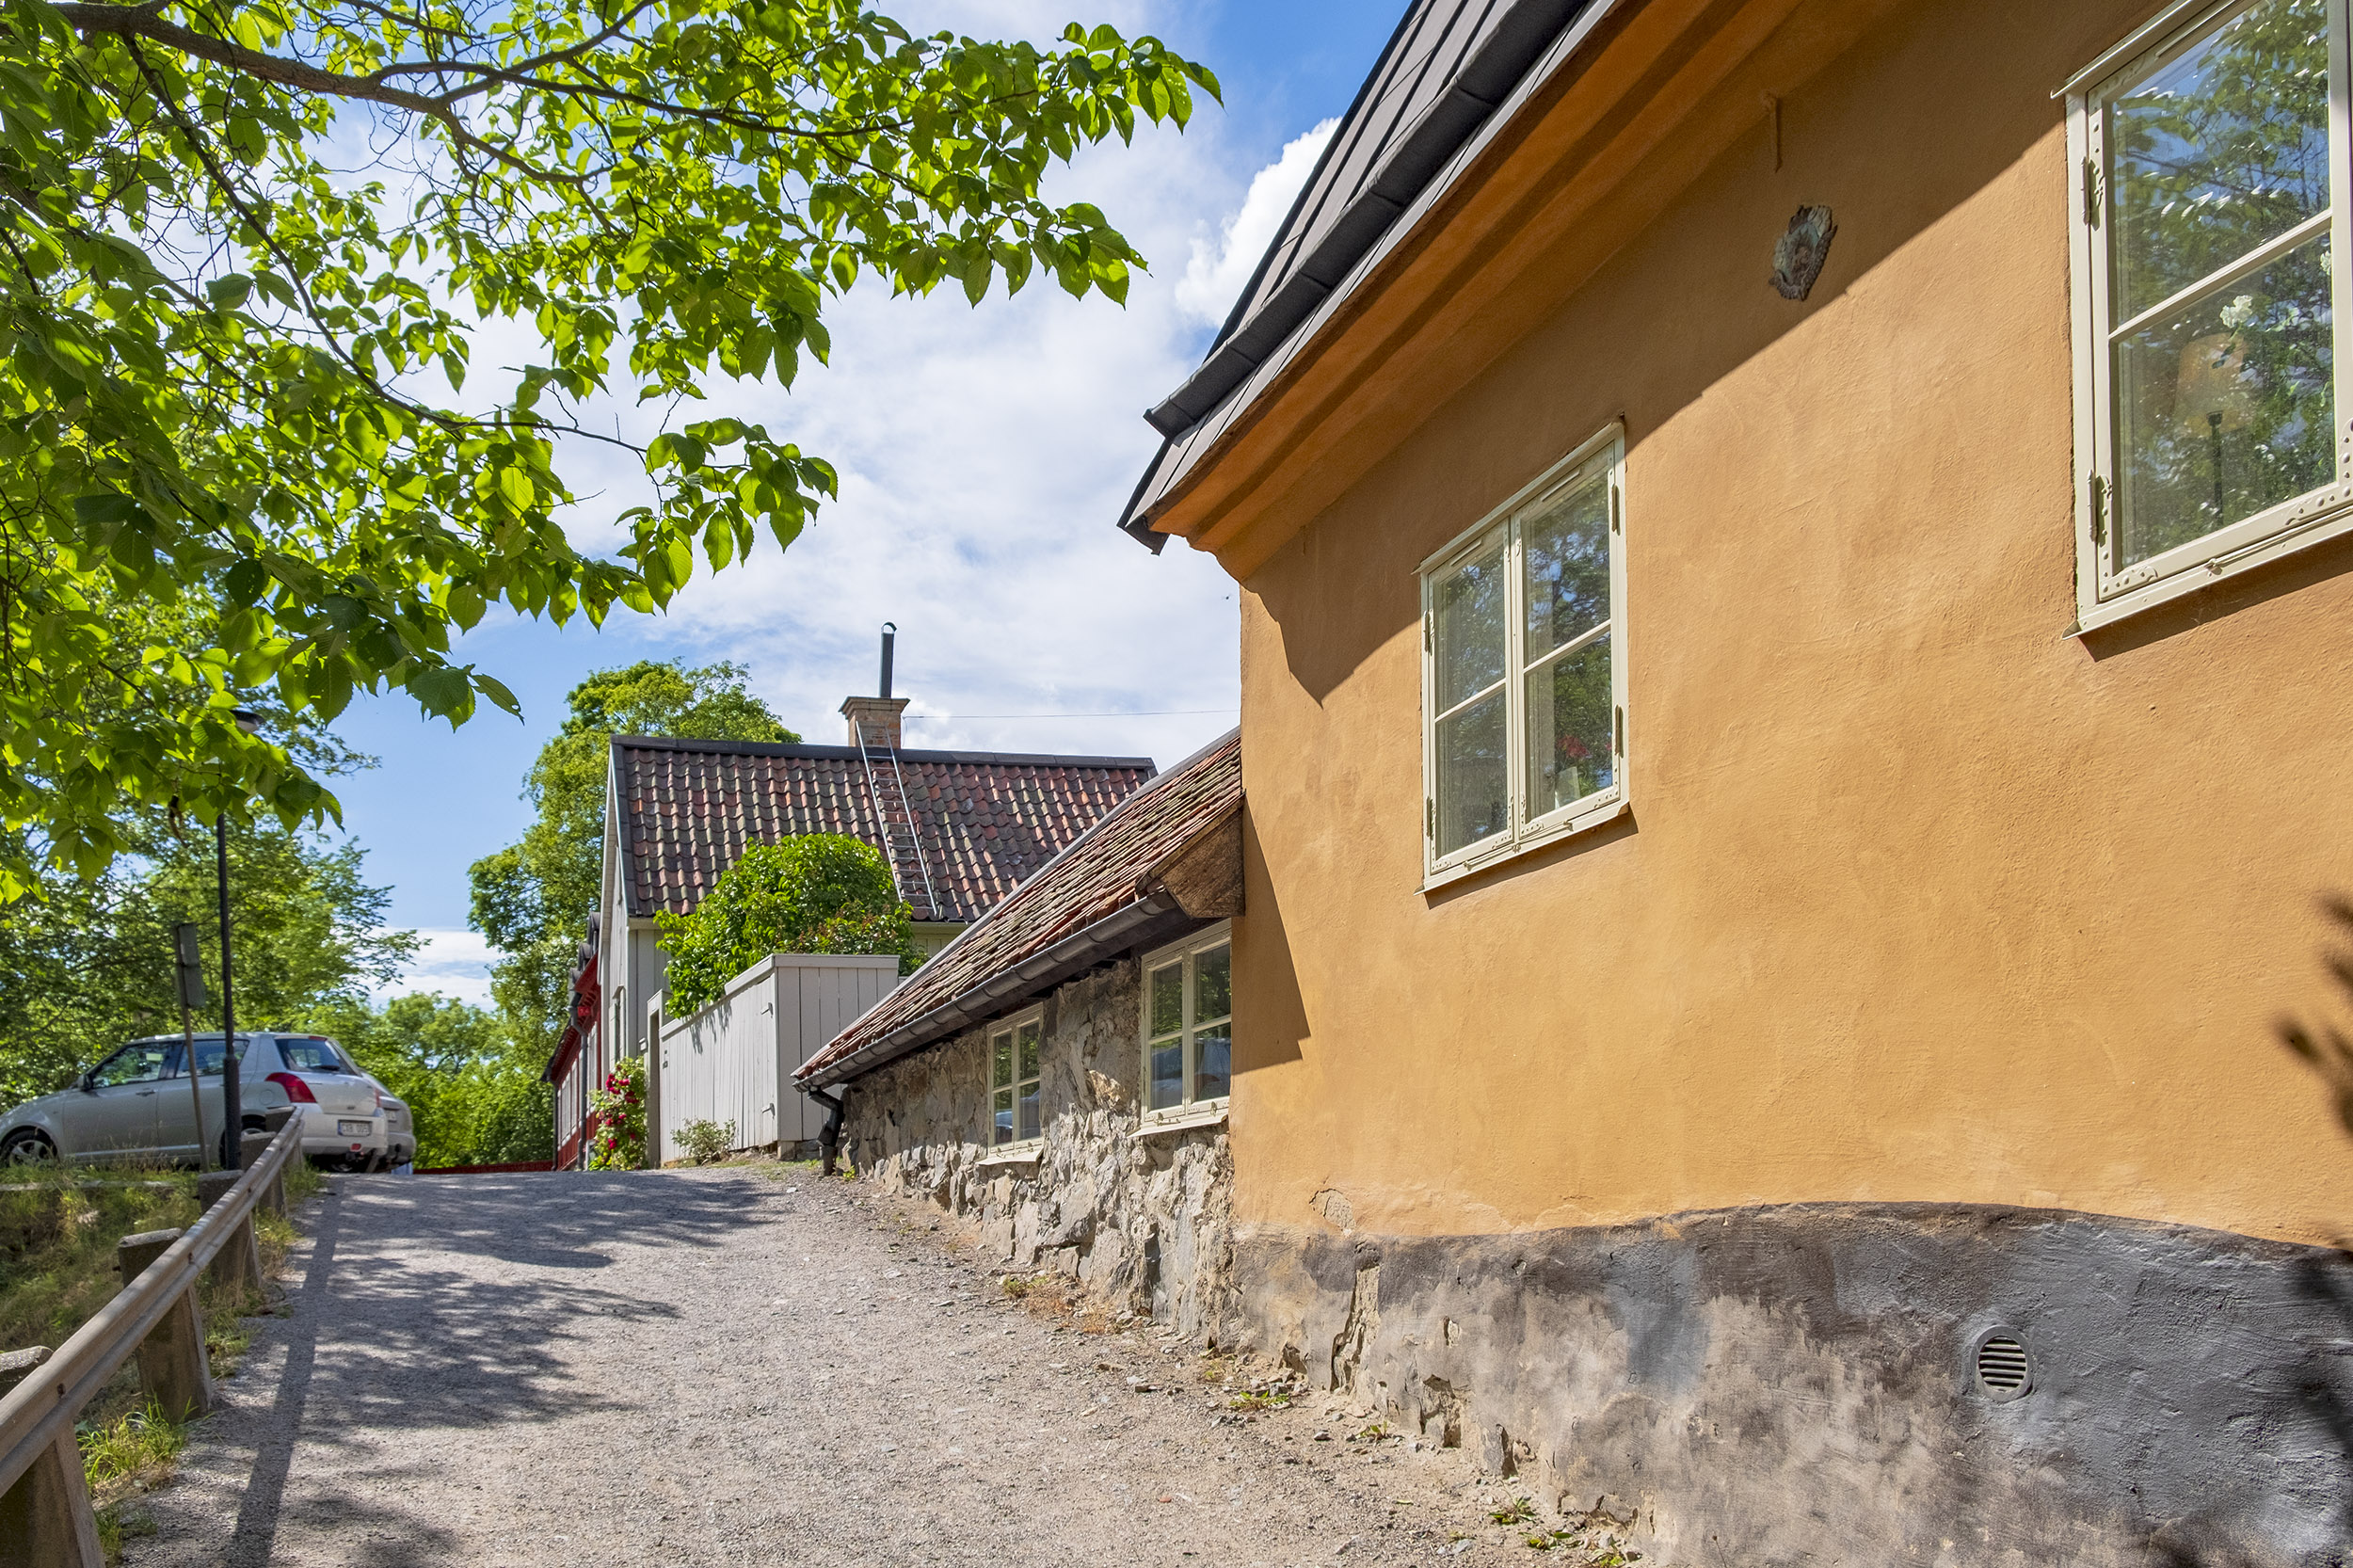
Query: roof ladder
(903, 846)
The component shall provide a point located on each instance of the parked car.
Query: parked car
(135, 1104)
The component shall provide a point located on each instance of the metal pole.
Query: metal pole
(231, 1106)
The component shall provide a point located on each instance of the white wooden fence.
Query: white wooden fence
(734, 1060)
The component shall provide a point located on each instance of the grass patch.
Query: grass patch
(58, 1235)
(133, 1453)
(125, 1459)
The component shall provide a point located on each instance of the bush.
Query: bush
(819, 892)
(616, 1114)
(705, 1141)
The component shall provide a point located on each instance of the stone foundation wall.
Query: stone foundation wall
(1141, 1219)
(1799, 1384)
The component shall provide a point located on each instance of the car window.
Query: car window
(131, 1064)
(207, 1059)
(312, 1056)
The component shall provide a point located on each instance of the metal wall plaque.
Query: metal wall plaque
(1797, 259)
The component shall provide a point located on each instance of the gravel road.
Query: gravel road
(743, 1365)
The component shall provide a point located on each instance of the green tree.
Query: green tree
(475, 1095)
(234, 369)
(816, 892)
(90, 964)
(533, 899)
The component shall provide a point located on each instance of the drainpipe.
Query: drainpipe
(828, 1136)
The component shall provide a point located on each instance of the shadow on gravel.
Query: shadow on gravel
(413, 1349)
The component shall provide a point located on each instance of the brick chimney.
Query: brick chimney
(876, 718)
(879, 717)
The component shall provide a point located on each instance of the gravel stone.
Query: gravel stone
(707, 1366)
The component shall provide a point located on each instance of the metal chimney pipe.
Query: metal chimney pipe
(890, 634)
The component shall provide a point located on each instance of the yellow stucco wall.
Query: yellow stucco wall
(1922, 899)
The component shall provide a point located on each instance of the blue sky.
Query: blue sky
(984, 455)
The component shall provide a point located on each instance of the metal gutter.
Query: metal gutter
(1113, 934)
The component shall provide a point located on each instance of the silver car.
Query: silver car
(136, 1105)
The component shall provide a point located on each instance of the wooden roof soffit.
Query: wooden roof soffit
(1465, 282)
(1204, 875)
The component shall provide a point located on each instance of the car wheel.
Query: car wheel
(26, 1147)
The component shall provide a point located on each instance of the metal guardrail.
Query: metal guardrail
(37, 1417)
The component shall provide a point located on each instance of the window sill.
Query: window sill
(2320, 517)
(1189, 1119)
(1013, 1154)
(1585, 821)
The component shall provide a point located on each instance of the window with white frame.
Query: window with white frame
(1524, 668)
(1012, 1081)
(2211, 179)
(1189, 1024)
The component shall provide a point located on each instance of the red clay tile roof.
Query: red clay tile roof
(688, 809)
(1093, 880)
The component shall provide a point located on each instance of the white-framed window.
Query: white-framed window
(2210, 157)
(1189, 1025)
(1523, 667)
(1015, 1047)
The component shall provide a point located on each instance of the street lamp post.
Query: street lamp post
(232, 1103)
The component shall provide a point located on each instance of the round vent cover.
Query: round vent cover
(2004, 1372)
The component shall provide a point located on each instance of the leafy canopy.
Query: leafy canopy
(231, 368)
(475, 1094)
(533, 899)
(91, 966)
(816, 892)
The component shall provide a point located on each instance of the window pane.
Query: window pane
(1168, 1075)
(1003, 1109)
(1028, 1111)
(1473, 793)
(1168, 1000)
(1569, 754)
(1028, 1051)
(1566, 555)
(137, 1065)
(1002, 1074)
(2221, 150)
(1213, 1073)
(1212, 984)
(1467, 605)
(2226, 407)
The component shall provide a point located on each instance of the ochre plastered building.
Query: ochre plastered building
(1916, 987)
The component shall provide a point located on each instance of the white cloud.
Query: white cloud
(1215, 278)
(454, 963)
(984, 455)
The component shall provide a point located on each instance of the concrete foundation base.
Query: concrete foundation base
(1836, 1385)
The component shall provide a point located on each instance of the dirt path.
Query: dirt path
(741, 1366)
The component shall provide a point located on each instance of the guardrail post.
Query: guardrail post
(45, 1518)
(239, 1261)
(277, 1117)
(173, 1370)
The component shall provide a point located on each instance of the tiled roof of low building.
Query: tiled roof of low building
(688, 809)
(1033, 938)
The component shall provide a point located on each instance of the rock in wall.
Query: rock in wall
(1141, 1219)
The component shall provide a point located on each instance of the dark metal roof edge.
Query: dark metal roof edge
(839, 754)
(1306, 187)
(1435, 137)
(1113, 934)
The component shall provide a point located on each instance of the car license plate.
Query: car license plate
(353, 1129)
